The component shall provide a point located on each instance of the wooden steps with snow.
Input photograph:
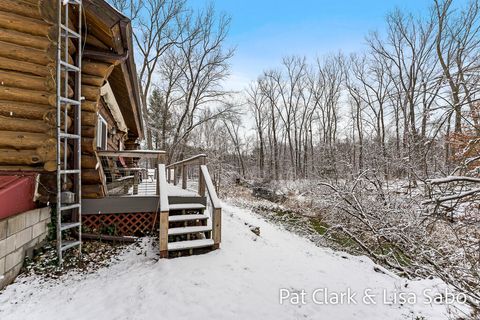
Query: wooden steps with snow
(187, 217)
(187, 230)
(194, 235)
(187, 206)
(190, 244)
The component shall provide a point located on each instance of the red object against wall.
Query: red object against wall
(16, 194)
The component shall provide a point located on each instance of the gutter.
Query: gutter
(126, 29)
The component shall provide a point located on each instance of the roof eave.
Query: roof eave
(121, 30)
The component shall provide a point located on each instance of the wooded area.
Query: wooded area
(378, 135)
(367, 137)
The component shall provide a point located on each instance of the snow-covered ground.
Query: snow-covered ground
(243, 280)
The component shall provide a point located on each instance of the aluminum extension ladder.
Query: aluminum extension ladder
(68, 206)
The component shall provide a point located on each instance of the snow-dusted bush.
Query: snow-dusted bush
(397, 230)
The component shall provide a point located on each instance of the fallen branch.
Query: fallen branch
(453, 197)
(450, 179)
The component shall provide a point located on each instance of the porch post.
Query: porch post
(164, 210)
(163, 234)
(184, 177)
(136, 180)
(157, 177)
(217, 227)
(201, 179)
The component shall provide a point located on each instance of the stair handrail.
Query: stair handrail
(163, 208)
(143, 154)
(205, 186)
(216, 204)
(200, 159)
(210, 188)
(162, 187)
(189, 161)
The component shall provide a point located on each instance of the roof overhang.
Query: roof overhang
(114, 29)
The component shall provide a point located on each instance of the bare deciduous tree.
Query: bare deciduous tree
(157, 25)
(192, 71)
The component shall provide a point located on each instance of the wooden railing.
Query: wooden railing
(180, 168)
(159, 155)
(163, 209)
(216, 206)
(125, 180)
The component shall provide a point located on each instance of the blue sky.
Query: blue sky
(264, 31)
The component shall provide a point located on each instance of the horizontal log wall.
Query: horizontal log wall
(94, 74)
(28, 44)
(27, 86)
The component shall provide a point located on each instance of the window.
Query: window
(102, 133)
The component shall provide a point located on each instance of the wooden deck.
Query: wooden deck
(163, 199)
(145, 201)
(148, 187)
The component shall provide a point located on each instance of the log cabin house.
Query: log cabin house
(70, 130)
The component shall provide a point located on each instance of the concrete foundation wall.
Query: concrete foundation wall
(19, 235)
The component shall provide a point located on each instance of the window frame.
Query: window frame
(102, 137)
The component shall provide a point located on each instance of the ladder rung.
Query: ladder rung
(67, 100)
(69, 135)
(70, 244)
(71, 171)
(69, 207)
(69, 66)
(68, 202)
(69, 32)
(69, 225)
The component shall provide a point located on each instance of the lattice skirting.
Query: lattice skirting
(121, 224)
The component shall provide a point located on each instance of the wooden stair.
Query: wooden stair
(184, 228)
(193, 244)
(187, 217)
(188, 229)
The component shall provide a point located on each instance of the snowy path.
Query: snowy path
(240, 281)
